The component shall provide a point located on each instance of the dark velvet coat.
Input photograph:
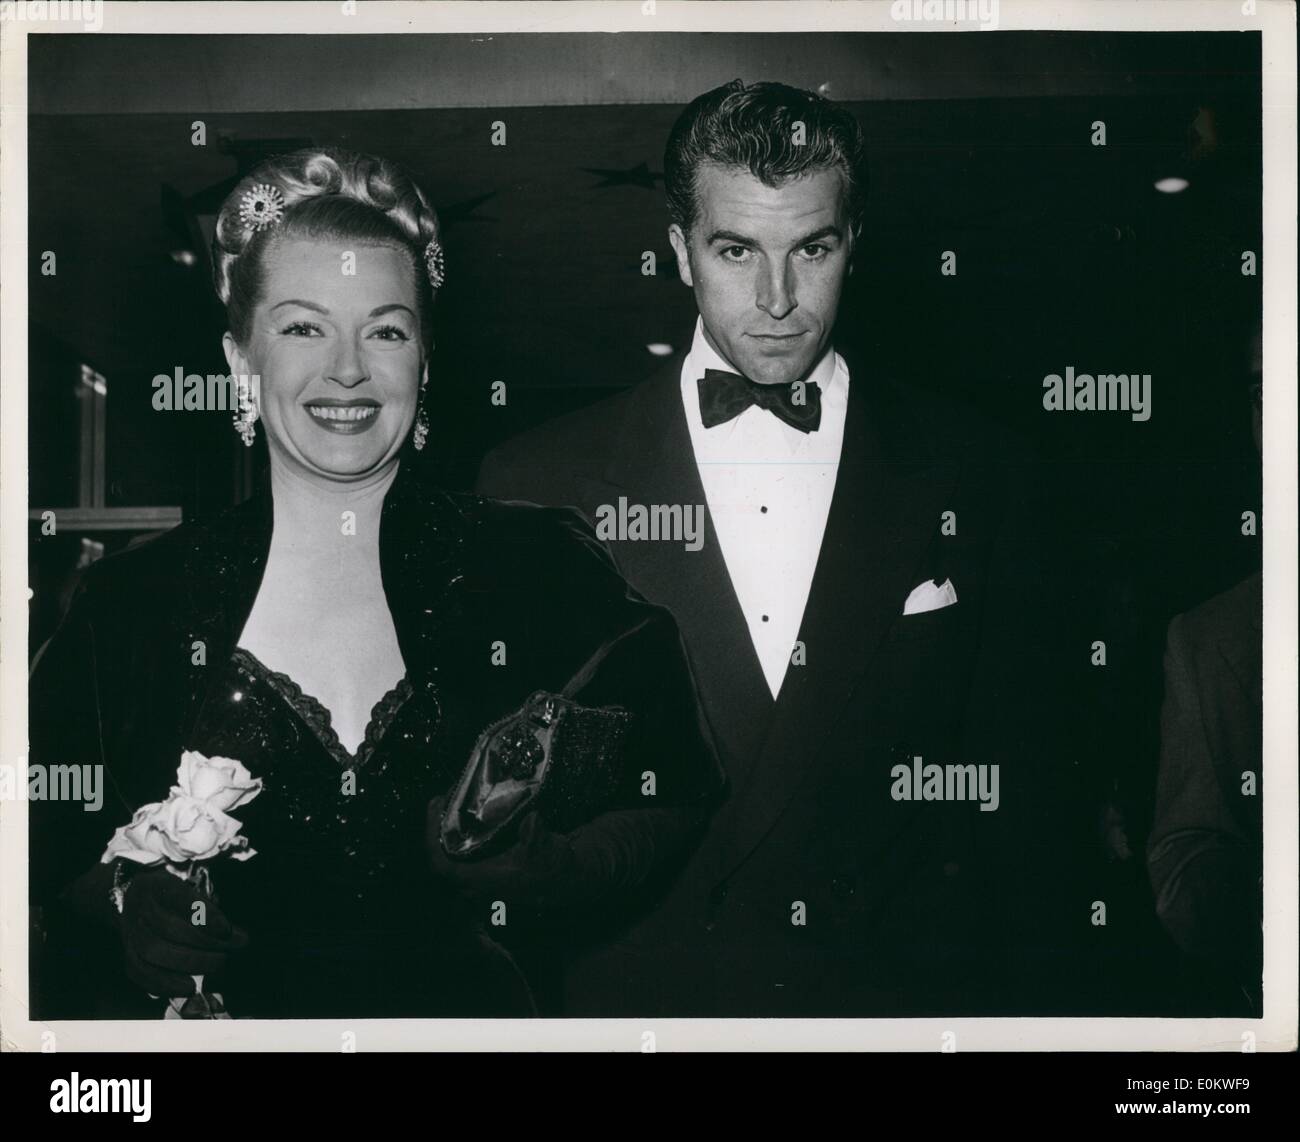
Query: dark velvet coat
(123, 680)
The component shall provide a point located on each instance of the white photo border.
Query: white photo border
(1275, 1031)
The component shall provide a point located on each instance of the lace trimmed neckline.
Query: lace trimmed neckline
(317, 717)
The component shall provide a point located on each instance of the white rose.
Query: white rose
(142, 841)
(222, 782)
(198, 828)
(181, 829)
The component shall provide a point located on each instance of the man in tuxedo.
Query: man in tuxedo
(838, 615)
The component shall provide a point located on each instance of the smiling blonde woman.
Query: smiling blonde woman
(354, 637)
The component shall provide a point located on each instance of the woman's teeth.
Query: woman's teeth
(353, 412)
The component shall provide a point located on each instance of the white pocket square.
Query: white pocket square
(930, 596)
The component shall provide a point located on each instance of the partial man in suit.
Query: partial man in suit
(1205, 852)
(837, 608)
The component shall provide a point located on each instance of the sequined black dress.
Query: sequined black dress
(344, 915)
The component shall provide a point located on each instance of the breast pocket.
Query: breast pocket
(928, 628)
(925, 664)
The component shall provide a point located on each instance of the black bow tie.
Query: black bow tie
(725, 395)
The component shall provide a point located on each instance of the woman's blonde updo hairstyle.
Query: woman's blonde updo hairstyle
(329, 195)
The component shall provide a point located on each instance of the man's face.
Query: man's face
(767, 267)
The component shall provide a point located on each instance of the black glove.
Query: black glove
(162, 944)
(545, 873)
(538, 872)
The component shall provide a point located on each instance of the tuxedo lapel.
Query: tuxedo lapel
(654, 463)
(885, 510)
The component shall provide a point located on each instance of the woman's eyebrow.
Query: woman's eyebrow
(304, 304)
(318, 308)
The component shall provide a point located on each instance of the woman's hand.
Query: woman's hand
(540, 869)
(166, 939)
(546, 872)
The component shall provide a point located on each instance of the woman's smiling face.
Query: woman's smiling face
(335, 341)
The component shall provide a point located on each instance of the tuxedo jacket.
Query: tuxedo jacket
(816, 891)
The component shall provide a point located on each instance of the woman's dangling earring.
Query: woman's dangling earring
(421, 433)
(246, 417)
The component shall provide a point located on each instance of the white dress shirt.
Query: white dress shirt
(769, 489)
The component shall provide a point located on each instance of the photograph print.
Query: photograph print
(720, 525)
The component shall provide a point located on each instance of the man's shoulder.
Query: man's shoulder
(594, 422)
(1226, 619)
(596, 428)
(949, 428)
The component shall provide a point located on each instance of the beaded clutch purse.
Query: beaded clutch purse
(553, 755)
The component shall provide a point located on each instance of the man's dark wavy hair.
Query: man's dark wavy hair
(754, 127)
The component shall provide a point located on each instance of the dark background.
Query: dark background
(979, 144)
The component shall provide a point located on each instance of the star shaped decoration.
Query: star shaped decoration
(639, 175)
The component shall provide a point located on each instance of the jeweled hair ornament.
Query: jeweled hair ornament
(435, 264)
(261, 206)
